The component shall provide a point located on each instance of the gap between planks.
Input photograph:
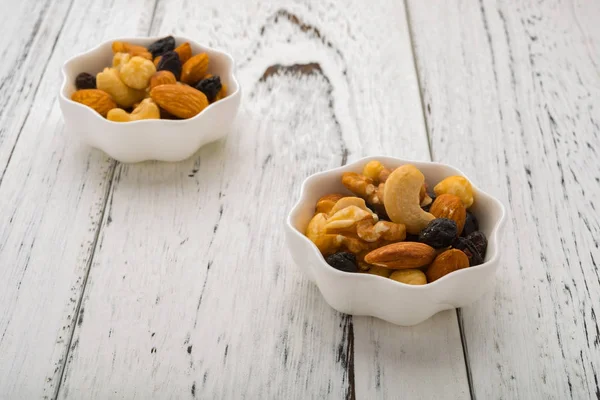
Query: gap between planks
(90, 261)
(459, 318)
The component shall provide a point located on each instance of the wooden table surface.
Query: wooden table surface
(172, 281)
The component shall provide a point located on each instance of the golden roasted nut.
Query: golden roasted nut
(376, 171)
(384, 174)
(348, 201)
(458, 186)
(358, 184)
(363, 266)
(402, 255)
(451, 207)
(358, 246)
(409, 276)
(162, 78)
(371, 231)
(326, 203)
(315, 231)
(133, 49)
(136, 72)
(96, 99)
(222, 93)
(194, 69)
(401, 199)
(345, 220)
(372, 169)
(180, 100)
(424, 196)
(145, 110)
(109, 81)
(447, 262)
(119, 59)
(380, 271)
(184, 51)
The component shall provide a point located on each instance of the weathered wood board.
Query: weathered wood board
(191, 291)
(53, 191)
(511, 92)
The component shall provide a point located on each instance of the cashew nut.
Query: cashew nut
(110, 81)
(401, 199)
(315, 231)
(147, 109)
(424, 197)
(350, 201)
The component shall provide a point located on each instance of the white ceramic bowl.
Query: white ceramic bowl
(365, 294)
(164, 140)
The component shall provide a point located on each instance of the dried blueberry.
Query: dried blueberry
(343, 261)
(85, 81)
(467, 247)
(471, 225)
(210, 87)
(170, 62)
(440, 233)
(161, 46)
(479, 241)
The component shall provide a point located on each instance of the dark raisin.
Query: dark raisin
(440, 233)
(343, 261)
(471, 225)
(467, 247)
(427, 207)
(161, 46)
(479, 241)
(85, 81)
(170, 62)
(210, 87)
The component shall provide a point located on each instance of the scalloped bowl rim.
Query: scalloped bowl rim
(494, 235)
(231, 74)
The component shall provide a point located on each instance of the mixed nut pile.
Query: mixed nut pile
(160, 81)
(393, 228)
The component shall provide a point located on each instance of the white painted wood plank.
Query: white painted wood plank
(28, 37)
(512, 97)
(192, 293)
(51, 202)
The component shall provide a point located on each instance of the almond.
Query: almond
(180, 100)
(451, 207)
(97, 99)
(401, 255)
(194, 69)
(162, 78)
(184, 51)
(449, 261)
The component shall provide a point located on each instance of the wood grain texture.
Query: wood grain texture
(511, 92)
(29, 38)
(191, 293)
(51, 198)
